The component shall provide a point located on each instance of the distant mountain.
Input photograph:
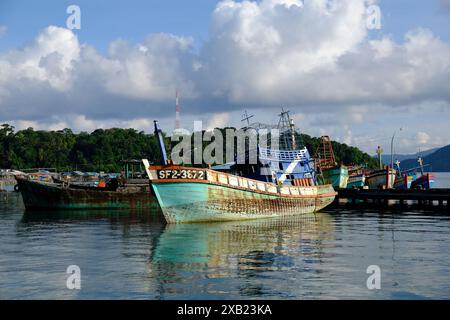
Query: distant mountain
(438, 161)
(386, 158)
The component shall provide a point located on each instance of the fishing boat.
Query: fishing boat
(381, 179)
(7, 180)
(357, 178)
(403, 181)
(425, 182)
(109, 194)
(282, 183)
(404, 178)
(422, 180)
(414, 178)
(329, 171)
(337, 176)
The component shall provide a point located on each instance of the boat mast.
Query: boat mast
(420, 161)
(292, 126)
(287, 130)
(325, 154)
(162, 147)
(247, 117)
(398, 168)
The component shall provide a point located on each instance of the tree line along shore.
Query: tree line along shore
(104, 149)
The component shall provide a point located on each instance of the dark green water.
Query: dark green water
(134, 255)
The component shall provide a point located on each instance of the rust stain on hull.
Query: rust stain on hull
(199, 202)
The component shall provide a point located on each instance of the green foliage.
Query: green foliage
(103, 149)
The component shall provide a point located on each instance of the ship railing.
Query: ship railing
(283, 155)
(275, 155)
(259, 186)
(226, 179)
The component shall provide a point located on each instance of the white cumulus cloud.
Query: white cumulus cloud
(314, 57)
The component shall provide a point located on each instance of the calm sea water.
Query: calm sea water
(134, 255)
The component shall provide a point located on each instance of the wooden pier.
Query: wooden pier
(434, 198)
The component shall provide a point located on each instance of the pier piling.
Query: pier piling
(433, 198)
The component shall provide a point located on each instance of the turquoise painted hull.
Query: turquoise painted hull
(356, 181)
(337, 177)
(355, 184)
(183, 202)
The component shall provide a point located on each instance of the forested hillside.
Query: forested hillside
(103, 149)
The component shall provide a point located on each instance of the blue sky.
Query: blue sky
(123, 67)
(104, 21)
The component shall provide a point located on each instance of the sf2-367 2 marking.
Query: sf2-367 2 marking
(181, 174)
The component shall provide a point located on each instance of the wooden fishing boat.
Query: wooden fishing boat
(404, 181)
(425, 181)
(356, 180)
(404, 178)
(381, 179)
(54, 196)
(329, 171)
(7, 182)
(414, 178)
(337, 176)
(203, 195)
(129, 190)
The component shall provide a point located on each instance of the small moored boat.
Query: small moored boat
(381, 179)
(110, 194)
(329, 171)
(357, 178)
(425, 180)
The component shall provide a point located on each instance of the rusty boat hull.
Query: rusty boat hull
(51, 196)
(225, 197)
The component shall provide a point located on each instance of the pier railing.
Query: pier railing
(403, 197)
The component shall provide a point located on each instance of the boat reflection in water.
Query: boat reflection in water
(235, 251)
(135, 254)
(122, 216)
